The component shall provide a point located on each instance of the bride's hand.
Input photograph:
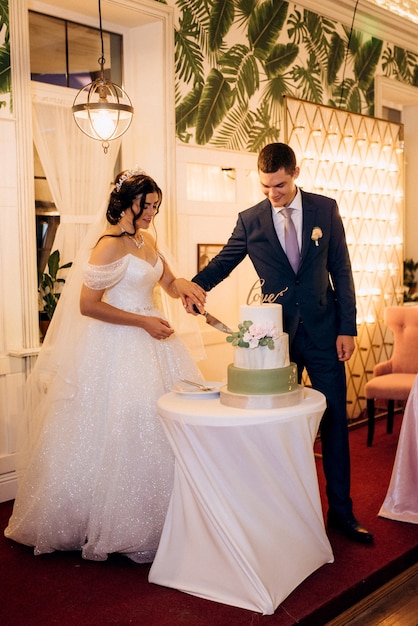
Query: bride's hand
(189, 291)
(157, 327)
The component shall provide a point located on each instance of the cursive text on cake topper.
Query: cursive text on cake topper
(263, 298)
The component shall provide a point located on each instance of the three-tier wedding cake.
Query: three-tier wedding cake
(261, 375)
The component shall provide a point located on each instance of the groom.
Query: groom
(302, 260)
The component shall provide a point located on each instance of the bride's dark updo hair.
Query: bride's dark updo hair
(128, 186)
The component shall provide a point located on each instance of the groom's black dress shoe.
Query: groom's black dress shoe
(350, 527)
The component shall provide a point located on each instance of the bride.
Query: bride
(100, 470)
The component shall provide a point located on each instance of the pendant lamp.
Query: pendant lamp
(102, 110)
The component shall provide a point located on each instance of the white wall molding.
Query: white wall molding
(25, 255)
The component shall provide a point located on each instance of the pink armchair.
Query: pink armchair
(393, 379)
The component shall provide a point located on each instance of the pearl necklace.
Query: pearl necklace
(139, 244)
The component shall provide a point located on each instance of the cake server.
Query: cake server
(213, 321)
(198, 385)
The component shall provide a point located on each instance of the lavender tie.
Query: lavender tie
(290, 239)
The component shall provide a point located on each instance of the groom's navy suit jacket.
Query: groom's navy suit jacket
(321, 294)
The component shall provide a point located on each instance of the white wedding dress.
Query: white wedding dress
(101, 472)
(401, 500)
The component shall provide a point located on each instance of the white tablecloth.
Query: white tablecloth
(401, 501)
(244, 525)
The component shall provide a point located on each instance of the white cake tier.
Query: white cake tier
(262, 358)
(263, 314)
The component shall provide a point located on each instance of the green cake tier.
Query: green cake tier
(262, 382)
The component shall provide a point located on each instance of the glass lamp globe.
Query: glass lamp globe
(102, 110)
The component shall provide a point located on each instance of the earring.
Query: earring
(122, 214)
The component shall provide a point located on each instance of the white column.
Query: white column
(22, 254)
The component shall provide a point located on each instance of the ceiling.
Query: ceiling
(125, 14)
(408, 9)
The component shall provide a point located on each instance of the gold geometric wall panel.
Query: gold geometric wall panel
(359, 161)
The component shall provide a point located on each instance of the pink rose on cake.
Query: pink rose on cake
(252, 336)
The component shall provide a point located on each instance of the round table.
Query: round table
(244, 525)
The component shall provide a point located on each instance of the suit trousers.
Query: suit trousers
(327, 374)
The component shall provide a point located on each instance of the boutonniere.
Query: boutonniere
(316, 234)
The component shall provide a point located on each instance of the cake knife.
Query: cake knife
(213, 321)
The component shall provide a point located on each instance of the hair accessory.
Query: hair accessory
(135, 172)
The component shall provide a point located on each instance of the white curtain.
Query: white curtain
(78, 171)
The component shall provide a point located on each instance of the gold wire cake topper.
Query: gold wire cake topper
(255, 295)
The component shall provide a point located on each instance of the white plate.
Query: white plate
(188, 390)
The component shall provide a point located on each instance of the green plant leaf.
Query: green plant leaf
(354, 101)
(235, 129)
(199, 11)
(220, 21)
(188, 54)
(4, 15)
(186, 111)
(355, 37)
(296, 27)
(240, 67)
(347, 95)
(47, 283)
(388, 61)
(245, 9)
(263, 131)
(308, 80)
(415, 76)
(335, 58)
(366, 61)
(264, 26)
(54, 263)
(315, 38)
(216, 100)
(5, 69)
(273, 94)
(281, 57)
(402, 64)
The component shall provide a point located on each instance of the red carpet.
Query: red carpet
(63, 589)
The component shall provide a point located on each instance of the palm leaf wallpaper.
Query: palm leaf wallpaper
(5, 73)
(235, 59)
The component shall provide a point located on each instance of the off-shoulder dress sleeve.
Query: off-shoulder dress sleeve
(104, 276)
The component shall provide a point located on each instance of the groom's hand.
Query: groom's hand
(345, 347)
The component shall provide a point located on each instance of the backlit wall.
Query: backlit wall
(358, 160)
